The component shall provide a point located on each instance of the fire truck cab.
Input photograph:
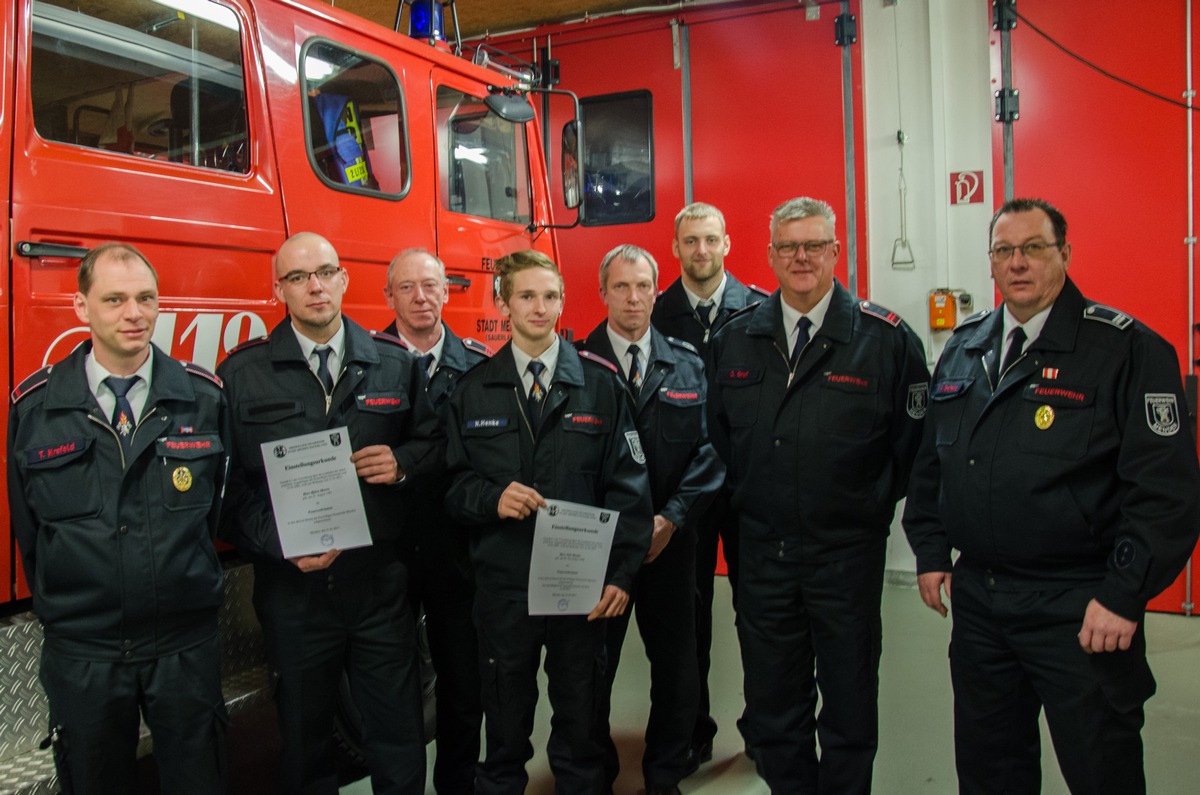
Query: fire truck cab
(205, 132)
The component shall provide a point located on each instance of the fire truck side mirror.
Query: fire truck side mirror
(572, 176)
(514, 108)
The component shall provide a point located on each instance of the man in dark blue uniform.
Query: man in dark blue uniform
(1058, 460)
(344, 610)
(116, 465)
(817, 399)
(692, 309)
(667, 385)
(434, 548)
(540, 421)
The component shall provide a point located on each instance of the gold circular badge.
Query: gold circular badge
(1043, 418)
(182, 478)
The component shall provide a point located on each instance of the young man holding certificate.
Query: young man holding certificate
(320, 371)
(537, 422)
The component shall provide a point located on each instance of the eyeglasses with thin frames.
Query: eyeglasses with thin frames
(324, 275)
(790, 248)
(1033, 249)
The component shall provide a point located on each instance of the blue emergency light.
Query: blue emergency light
(427, 20)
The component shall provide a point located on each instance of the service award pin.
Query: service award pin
(1043, 418)
(182, 478)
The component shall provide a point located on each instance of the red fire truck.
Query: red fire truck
(207, 131)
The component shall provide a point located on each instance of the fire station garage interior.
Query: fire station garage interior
(914, 119)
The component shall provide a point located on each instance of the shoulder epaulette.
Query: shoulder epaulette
(881, 312)
(251, 343)
(383, 336)
(200, 372)
(591, 357)
(476, 346)
(1106, 314)
(971, 320)
(760, 292)
(687, 346)
(31, 383)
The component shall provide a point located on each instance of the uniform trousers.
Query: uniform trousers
(510, 651)
(318, 626)
(718, 522)
(438, 586)
(97, 706)
(806, 625)
(1014, 650)
(663, 599)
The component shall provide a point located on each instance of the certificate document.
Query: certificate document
(571, 543)
(315, 493)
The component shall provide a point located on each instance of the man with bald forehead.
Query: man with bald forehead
(344, 610)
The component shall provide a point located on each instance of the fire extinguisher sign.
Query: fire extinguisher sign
(966, 187)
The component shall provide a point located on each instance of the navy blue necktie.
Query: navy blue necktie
(1015, 348)
(323, 368)
(803, 325)
(704, 314)
(537, 393)
(123, 420)
(426, 361)
(635, 370)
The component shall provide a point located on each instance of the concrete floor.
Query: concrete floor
(915, 753)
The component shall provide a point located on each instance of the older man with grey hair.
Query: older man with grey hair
(816, 405)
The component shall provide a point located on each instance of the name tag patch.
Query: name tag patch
(487, 422)
(53, 451)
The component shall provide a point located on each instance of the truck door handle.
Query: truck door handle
(27, 248)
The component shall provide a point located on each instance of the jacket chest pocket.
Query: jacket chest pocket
(681, 410)
(947, 401)
(61, 480)
(189, 468)
(1055, 420)
(739, 400)
(493, 444)
(380, 416)
(583, 439)
(849, 404)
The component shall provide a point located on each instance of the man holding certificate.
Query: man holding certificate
(318, 391)
(540, 422)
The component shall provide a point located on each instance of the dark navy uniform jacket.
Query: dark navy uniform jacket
(669, 412)
(674, 316)
(430, 528)
(120, 558)
(586, 451)
(1080, 468)
(274, 394)
(822, 461)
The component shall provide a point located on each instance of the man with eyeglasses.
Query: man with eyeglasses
(540, 421)
(666, 383)
(817, 400)
(434, 548)
(344, 610)
(694, 308)
(1059, 462)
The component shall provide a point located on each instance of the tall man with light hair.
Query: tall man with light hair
(692, 309)
(434, 547)
(817, 399)
(666, 382)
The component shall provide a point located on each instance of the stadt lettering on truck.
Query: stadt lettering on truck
(206, 132)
